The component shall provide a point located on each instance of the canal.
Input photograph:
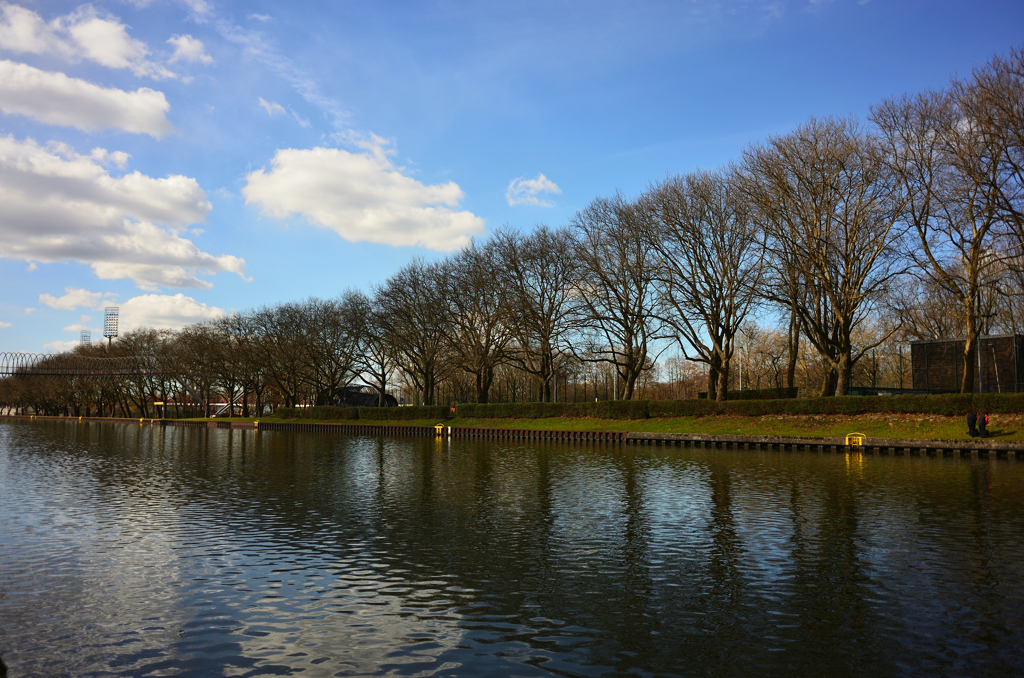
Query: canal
(148, 551)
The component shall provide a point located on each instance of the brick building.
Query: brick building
(938, 365)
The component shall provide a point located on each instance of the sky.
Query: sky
(183, 159)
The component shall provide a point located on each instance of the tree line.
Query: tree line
(854, 235)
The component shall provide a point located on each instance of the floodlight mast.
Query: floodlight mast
(85, 338)
(110, 317)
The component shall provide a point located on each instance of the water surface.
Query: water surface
(141, 551)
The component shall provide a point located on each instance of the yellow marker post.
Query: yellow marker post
(855, 439)
(256, 424)
(439, 429)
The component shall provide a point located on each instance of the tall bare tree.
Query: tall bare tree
(538, 274)
(616, 289)
(950, 172)
(709, 267)
(830, 207)
(479, 315)
(414, 314)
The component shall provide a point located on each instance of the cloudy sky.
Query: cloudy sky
(186, 158)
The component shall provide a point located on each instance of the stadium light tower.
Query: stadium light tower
(85, 338)
(110, 315)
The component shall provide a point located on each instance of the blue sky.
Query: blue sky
(184, 159)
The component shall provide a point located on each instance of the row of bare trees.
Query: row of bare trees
(851, 235)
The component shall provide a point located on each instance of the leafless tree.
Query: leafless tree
(830, 208)
(479, 315)
(950, 171)
(709, 266)
(616, 288)
(332, 340)
(538, 276)
(414, 314)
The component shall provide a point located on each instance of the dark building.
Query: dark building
(938, 365)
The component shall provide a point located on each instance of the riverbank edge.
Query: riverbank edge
(893, 446)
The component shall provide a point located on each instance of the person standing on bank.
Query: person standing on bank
(972, 419)
(983, 425)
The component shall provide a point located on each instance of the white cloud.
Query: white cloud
(57, 99)
(4, 325)
(165, 311)
(524, 191)
(60, 205)
(78, 327)
(263, 18)
(83, 34)
(59, 346)
(187, 48)
(272, 108)
(74, 298)
(363, 197)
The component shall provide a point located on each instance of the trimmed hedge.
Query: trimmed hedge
(317, 412)
(757, 394)
(333, 412)
(954, 404)
(437, 412)
(613, 409)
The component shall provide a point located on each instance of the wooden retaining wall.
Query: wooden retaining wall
(874, 446)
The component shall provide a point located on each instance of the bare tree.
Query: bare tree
(278, 344)
(709, 266)
(413, 312)
(830, 208)
(333, 339)
(947, 168)
(378, 361)
(538, 274)
(616, 289)
(481, 334)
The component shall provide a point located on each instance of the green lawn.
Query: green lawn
(910, 426)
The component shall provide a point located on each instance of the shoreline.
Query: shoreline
(943, 447)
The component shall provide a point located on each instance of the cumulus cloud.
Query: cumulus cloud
(60, 205)
(523, 191)
(57, 99)
(363, 197)
(4, 325)
(59, 346)
(187, 48)
(165, 311)
(83, 34)
(77, 298)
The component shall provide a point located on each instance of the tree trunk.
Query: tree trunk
(713, 378)
(794, 350)
(722, 392)
(844, 372)
(970, 363)
(828, 383)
